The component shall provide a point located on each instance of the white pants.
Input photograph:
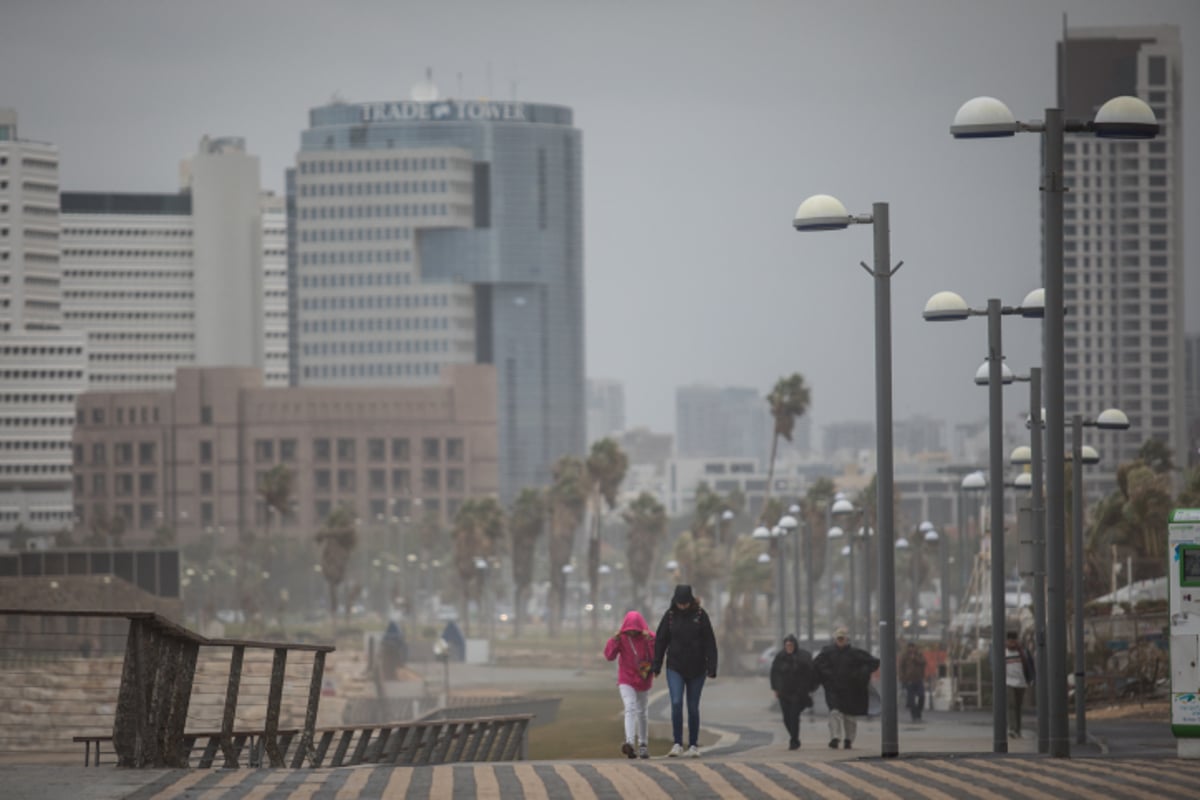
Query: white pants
(842, 726)
(636, 718)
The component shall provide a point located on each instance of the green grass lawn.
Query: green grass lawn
(590, 724)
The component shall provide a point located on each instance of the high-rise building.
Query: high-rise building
(435, 232)
(721, 421)
(194, 278)
(605, 408)
(1123, 243)
(42, 367)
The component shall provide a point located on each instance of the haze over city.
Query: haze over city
(704, 124)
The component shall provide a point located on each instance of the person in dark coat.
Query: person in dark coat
(792, 679)
(845, 672)
(912, 678)
(685, 640)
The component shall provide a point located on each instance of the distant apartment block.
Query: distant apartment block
(717, 421)
(605, 408)
(1123, 244)
(192, 458)
(191, 279)
(42, 367)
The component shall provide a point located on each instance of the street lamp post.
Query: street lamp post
(972, 483)
(932, 537)
(822, 212)
(794, 515)
(950, 307)
(832, 534)
(1121, 118)
(777, 535)
(1112, 419)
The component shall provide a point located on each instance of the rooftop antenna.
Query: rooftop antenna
(425, 91)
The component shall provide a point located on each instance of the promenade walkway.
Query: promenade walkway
(946, 757)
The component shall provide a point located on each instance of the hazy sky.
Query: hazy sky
(705, 124)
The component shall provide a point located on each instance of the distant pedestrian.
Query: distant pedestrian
(1018, 674)
(845, 672)
(792, 679)
(685, 640)
(633, 650)
(912, 678)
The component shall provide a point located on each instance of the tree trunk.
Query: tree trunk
(594, 573)
(519, 593)
(332, 607)
(770, 473)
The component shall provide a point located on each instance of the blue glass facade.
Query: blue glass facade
(520, 247)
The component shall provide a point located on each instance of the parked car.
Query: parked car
(765, 659)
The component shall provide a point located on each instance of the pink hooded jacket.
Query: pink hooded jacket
(632, 646)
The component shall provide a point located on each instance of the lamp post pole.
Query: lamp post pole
(996, 467)
(1077, 577)
(1040, 687)
(808, 583)
(778, 533)
(1056, 610)
(794, 513)
(822, 212)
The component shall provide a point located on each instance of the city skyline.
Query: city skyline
(693, 164)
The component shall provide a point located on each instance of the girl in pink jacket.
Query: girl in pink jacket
(633, 649)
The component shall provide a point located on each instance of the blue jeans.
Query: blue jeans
(676, 684)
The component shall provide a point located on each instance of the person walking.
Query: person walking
(1018, 674)
(686, 642)
(845, 672)
(792, 681)
(633, 650)
(912, 678)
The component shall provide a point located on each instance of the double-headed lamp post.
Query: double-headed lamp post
(1111, 419)
(950, 307)
(785, 526)
(929, 533)
(972, 483)
(1120, 118)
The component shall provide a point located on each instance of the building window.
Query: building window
(264, 450)
(431, 480)
(206, 513)
(401, 481)
(322, 508)
(400, 450)
(206, 452)
(321, 480)
(345, 479)
(206, 415)
(122, 454)
(376, 450)
(321, 450)
(146, 482)
(146, 454)
(146, 515)
(99, 457)
(431, 449)
(123, 485)
(455, 451)
(287, 450)
(1158, 70)
(345, 450)
(455, 481)
(98, 486)
(206, 483)
(377, 480)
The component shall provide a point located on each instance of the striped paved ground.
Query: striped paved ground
(939, 778)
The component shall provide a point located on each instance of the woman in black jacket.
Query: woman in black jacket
(792, 680)
(685, 640)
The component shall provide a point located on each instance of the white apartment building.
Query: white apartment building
(1123, 245)
(197, 278)
(42, 368)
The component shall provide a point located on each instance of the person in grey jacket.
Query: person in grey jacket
(686, 642)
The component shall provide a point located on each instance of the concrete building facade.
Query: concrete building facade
(1123, 244)
(430, 233)
(42, 367)
(192, 458)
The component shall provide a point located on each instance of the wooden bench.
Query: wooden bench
(238, 739)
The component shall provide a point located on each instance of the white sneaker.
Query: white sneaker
(693, 752)
(676, 750)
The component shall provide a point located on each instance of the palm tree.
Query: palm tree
(337, 538)
(700, 561)
(606, 466)
(747, 577)
(1189, 496)
(566, 498)
(647, 521)
(478, 534)
(813, 508)
(527, 523)
(788, 400)
(275, 488)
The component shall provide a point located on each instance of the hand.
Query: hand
(656, 672)
(777, 694)
(712, 676)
